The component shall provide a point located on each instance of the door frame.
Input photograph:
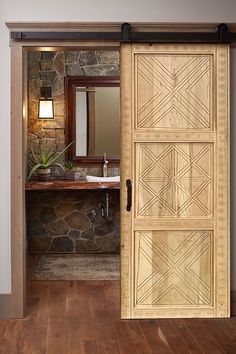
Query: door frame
(18, 143)
(18, 108)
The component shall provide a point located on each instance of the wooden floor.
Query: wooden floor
(81, 317)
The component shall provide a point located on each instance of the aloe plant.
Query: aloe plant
(46, 159)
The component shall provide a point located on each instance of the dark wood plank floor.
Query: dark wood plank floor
(82, 317)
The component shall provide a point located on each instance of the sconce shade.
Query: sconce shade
(46, 107)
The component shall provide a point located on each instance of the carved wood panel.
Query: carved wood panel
(174, 179)
(173, 268)
(174, 91)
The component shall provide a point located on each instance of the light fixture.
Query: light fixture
(46, 108)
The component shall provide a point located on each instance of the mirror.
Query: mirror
(93, 119)
(97, 121)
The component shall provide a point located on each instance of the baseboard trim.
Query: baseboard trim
(5, 306)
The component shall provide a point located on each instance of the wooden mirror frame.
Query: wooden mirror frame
(71, 82)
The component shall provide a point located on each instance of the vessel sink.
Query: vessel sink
(102, 179)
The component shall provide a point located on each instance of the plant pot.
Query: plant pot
(44, 173)
(69, 175)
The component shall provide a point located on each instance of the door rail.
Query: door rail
(126, 35)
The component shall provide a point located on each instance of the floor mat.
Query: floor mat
(76, 267)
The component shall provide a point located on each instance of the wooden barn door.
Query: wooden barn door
(175, 181)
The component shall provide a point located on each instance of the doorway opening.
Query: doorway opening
(72, 224)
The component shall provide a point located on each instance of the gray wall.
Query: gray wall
(102, 10)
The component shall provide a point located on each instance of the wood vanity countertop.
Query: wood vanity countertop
(63, 184)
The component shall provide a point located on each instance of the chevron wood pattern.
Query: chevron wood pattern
(174, 268)
(174, 91)
(174, 179)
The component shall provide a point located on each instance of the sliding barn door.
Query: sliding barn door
(175, 181)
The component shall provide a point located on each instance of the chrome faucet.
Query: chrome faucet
(105, 168)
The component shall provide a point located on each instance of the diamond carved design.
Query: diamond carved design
(174, 91)
(174, 180)
(174, 267)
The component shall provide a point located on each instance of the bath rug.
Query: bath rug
(76, 267)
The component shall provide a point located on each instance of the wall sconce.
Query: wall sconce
(46, 107)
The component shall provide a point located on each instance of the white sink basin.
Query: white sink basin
(102, 179)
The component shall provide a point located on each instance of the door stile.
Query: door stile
(126, 149)
(222, 200)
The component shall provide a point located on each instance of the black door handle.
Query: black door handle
(129, 194)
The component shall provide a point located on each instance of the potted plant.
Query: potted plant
(69, 169)
(45, 161)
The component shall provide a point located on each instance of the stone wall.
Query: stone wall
(72, 222)
(67, 221)
(50, 69)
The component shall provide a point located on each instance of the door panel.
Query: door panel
(173, 268)
(174, 180)
(175, 239)
(173, 91)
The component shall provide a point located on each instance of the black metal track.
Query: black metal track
(66, 35)
(126, 35)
